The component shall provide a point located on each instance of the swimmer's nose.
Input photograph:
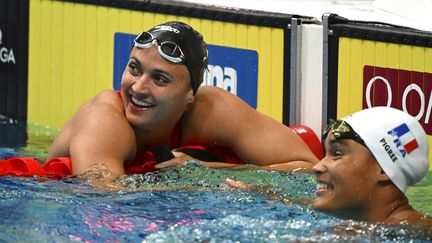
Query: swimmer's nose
(319, 167)
(142, 84)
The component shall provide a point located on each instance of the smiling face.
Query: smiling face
(347, 178)
(155, 92)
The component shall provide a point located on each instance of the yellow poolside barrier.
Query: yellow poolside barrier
(73, 52)
(374, 64)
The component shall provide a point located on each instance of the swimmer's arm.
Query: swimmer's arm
(103, 136)
(269, 144)
(297, 166)
(264, 190)
(256, 138)
(180, 158)
(290, 166)
(177, 163)
(99, 135)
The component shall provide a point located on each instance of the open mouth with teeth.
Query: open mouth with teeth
(140, 104)
(323, 188)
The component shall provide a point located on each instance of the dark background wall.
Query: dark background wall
(14, 17)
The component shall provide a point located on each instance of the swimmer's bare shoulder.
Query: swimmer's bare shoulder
(218, 117)
(99, 121)
(213, 117)
(410, 217)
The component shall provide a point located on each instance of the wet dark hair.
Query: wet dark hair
(191, 42)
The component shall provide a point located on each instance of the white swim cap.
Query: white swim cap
(397, 140)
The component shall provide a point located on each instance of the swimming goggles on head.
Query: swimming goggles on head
(342, 130)
(167, 49)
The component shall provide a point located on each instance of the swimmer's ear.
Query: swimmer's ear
(383, 180)
(190, 97)
(383, 177)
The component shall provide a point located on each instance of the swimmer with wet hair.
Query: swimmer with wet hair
(162, 103)
(370, 158)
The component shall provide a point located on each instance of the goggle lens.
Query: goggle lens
(169, 50)
(144, 38)
(342, 130)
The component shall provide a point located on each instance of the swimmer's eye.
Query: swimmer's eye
(133, 67)
(161, 79)
(335, 152)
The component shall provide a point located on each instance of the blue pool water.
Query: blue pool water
(40, 210)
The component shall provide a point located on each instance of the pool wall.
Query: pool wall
(370, 64)
(78, 48)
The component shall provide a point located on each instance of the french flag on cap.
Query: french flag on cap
(404, 138)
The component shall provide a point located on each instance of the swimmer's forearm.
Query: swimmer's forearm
(217, 165)
(106, 166)
(297, 166)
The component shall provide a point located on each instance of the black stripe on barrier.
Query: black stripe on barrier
(376, 31)
(333, 45)
(286, 77)
(210, 12)
(14, 27)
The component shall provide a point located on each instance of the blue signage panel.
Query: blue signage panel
(122, 47)
(234, 69)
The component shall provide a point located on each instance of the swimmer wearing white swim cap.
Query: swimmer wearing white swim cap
(370, 158)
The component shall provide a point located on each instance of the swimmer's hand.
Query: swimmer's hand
(239, 184)
(264, 190)
(181, 158)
